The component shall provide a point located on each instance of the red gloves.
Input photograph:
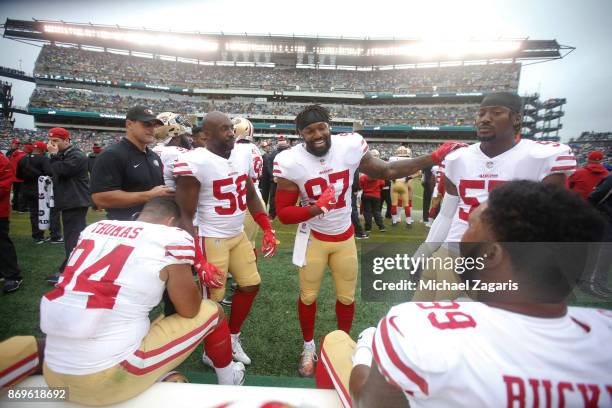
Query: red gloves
(439, 154)
(208, 274)
(268, 243)
(327, 200)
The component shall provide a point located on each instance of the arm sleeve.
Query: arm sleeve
(107, 172)
(287, 211)
(440, 227)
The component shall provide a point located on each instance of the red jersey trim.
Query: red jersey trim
(334, 238)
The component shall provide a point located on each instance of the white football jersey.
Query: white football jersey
(475, 174)
(168, 156)
(223, 189)
(313, 174)
(449, 354)
(437, 173)
(98, 313)
(256, 169)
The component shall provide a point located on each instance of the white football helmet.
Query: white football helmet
(403, 151)
(243, 129)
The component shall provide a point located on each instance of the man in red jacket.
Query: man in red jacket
(14, 155)
(371, 201)
(586, 178)
(8, 257)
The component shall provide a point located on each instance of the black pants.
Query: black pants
(371, 207)
(272, 206)
(8, 256)
(427, 193)
(18, 202)
(385, 196)
(355, 215)
(604, 261)
(55, 227)
(74, 221)
(264, 187)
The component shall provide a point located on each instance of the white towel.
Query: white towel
(45, 201)
(301, 244)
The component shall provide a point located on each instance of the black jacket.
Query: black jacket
(29, 168)
(598, 194)
(70, 179)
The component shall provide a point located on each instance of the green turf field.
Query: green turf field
(271, 335)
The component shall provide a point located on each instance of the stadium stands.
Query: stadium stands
(81, 63)
(589, 141)
(86, 100)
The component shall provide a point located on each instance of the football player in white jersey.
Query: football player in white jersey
(514, 348)
(215, 180)
(320, 172)
(172, 142)
(471, 173)
(402, 190)
(99, 341)
(243, 130)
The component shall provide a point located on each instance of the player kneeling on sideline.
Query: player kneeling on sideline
(100, 343)
(320, 173)
(515, 348)
(215, 181)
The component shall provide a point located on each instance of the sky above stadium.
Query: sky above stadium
(584, 77)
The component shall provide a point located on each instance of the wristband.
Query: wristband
(362, 355)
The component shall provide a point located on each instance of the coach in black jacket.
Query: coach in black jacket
(29, 169)
(71, 185)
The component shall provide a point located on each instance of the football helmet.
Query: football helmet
(164, 134)
(243, 129)
(403, 151)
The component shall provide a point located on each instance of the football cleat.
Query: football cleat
(308, 361)
(239, 373)
(237, 351)
(243, 129)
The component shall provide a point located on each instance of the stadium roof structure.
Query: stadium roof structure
(284, 50)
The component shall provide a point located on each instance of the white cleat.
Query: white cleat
(237, 351)
(239, 373)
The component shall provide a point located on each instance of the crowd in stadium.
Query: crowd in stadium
(590, 141)
(416, 115)
(116, 67)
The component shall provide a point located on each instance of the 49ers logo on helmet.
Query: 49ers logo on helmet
(243, 129)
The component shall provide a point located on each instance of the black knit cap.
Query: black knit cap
(506, 99)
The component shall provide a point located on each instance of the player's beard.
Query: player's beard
(319, 151)
(486, 138)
